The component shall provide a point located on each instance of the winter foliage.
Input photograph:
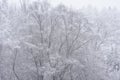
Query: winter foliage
(41, 42)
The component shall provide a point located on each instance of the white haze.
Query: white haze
(99, 4)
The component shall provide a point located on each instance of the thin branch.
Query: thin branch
(77, 36)
(14, 63)
(36, 65)
(81, 45)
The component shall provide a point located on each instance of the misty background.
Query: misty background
(100, 4)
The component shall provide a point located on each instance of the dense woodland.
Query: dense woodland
(42, 42)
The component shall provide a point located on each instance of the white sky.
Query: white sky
(83, 3)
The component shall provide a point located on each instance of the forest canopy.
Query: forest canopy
(42, 42)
